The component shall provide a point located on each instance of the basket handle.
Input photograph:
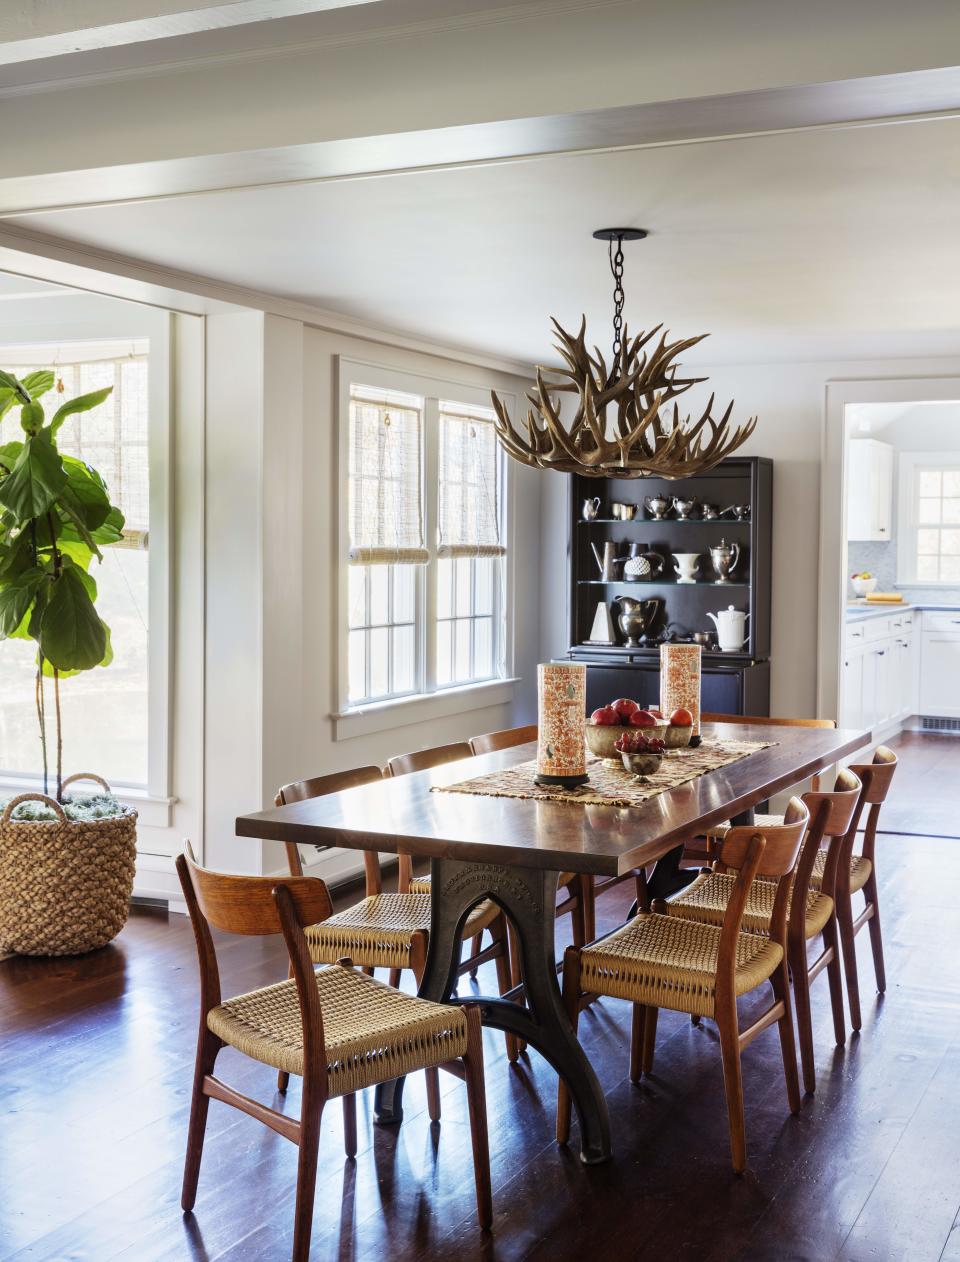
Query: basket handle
(86, 775)
(32, 797)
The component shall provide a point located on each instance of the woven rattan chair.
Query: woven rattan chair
(657, 960)
(338, 1029)
(857, 872)
(384, 930)
(812, 910)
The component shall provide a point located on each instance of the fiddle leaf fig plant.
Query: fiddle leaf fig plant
(55, 516)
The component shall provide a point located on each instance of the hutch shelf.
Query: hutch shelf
(733, 682)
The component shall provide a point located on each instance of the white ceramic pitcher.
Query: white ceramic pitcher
(731, 627)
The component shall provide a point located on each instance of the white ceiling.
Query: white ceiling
(837, 243)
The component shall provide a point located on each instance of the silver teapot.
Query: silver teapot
(637, 617)
(657, 506)
(725, 557)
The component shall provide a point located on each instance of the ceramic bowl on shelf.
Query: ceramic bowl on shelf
(863, 586)
(642, 764)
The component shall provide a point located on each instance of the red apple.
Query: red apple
(624, 707)
(681, 718)
(606, 716)
(642, 718)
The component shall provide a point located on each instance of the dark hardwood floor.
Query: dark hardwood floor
(95, 1064)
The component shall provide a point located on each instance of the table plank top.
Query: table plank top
(402, 816)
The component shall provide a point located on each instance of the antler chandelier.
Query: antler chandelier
(643, 436)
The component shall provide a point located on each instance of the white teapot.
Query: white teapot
(731, 627)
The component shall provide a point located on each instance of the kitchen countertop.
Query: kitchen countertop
(857, 612)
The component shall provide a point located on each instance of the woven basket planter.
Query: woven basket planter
(65, 885)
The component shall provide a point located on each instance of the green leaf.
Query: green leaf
(9, 382)
(112, 529)
(7, 400)
(16, 598)
(86, 493)
(81, 404)
(16, 557)
(9, 453)
(37, 479)
(72, 637)
(38, 383)
(31, 418)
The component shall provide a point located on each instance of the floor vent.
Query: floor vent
(930, 724)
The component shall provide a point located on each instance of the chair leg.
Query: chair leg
(788, 1047)
(835, 977)
(208, 1047)
(350, 1124)
(477, 1106)
(476, 943)
(516, 974)
(876, 939)
(636, 1042)
(801, 997)
(733, 1084)
(432, 1076)
(649, 1038)
(394, 979)
(571, 1001)
(498, 931)
(283, 1081)
(418, 962)
(306, 1175)
(848, 942)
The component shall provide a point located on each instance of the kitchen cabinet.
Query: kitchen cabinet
(869, 490)
(940, 665)
(878, 680)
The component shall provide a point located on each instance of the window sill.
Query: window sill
(932, 587)
(153, 812)
(381, 716)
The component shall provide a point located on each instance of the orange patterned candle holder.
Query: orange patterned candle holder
(561, 744)
(680, 680)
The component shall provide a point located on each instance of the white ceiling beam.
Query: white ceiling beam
(29, 32)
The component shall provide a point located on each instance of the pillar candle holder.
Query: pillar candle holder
(562, 705)
(680, 681)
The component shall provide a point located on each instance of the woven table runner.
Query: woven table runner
(610, 786)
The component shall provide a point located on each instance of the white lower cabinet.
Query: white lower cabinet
(878, 681)
(940, 673)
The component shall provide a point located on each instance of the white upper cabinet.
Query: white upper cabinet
(870, 490)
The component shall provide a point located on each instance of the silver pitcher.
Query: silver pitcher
(590, 508)
(637, 617)
(725, 557)
(685, 507)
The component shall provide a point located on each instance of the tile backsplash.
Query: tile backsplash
(880, 559)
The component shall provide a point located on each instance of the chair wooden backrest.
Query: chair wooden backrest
(491, 742)
(257, 906)
(423, 759)
(831, 813)
(318, 786)
(877, 777)
(777, 860)
(768, 721)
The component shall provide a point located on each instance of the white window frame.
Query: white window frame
(430, 702)
(909, 464)
(153, 800)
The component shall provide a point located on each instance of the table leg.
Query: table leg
(528, 897)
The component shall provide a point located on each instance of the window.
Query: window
(423, 549)
(105, 711)
(929, 520)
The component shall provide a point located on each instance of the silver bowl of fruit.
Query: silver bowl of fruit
(641, 753)
(610, 723)
(677, 730)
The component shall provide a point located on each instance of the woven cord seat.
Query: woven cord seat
(718, 831)
(371, 1031)
(860, 870)
(377, 932)
(665, 962)
(705, 900)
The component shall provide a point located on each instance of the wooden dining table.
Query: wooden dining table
(513, 850)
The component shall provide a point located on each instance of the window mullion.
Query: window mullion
(427, 637)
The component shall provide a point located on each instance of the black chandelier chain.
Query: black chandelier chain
(616, 269)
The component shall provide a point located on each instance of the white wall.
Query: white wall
(789, 399)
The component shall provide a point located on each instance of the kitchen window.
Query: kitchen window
(929, 549)
(422, 530)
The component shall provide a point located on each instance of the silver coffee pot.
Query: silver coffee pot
(637, 617)
(725, 557)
